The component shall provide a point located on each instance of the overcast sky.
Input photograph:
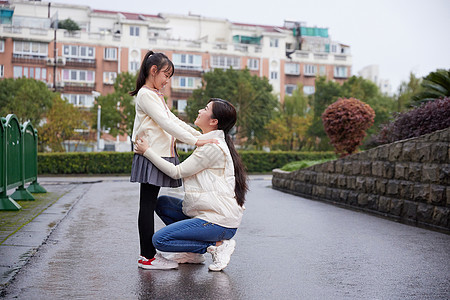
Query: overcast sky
(401, 36)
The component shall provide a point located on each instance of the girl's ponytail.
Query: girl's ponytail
(143, 73)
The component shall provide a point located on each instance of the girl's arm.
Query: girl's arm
(182, 124)
(150, 106)
(202, 158)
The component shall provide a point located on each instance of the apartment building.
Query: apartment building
(81, 64)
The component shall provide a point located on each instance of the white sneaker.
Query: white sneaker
(221, 254)
(186, 257)
(157, 263)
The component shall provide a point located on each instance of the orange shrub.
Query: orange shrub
(346, 122)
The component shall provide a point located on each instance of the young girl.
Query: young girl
(160, 127)
(215, 185)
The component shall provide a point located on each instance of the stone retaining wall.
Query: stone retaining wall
(407, 180)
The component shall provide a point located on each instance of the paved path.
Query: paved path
(287, 248)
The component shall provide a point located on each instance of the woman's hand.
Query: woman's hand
(140, 146)
(204, 142)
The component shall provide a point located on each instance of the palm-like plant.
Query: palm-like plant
(435, 86)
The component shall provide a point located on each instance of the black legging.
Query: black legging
(146, 218)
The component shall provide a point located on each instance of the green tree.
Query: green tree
(27, 98)
(287, 130)
(434, 86)
(251, 95)
(69, 25)
(406, 91)
(58, 127)
(326, 93)
(117, 108)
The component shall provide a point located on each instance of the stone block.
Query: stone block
(320, 178)
(352, 198)
(409, 210)
(356, 168)
(430, 173)
(339, 166)
(392, 188)
(384, 204)
(444, 174)
(447, 193)
(396, 207)
(361, 184)
(319, 191)
(351, 182)
(333, 179)
(401, 171)
(425, 212)
(414, 172)
(388, 170)
(347, 169)
(407, 151)
(373, 154)
(437, 194)
(441, 216)
(342, 181)
(372, 202)
(366, 168)
(395, 151)
(380, 186)
(406, 190)
(383, 152)
(444, 135)
(439, 152)
(363, 156)
(422, 152)
(329, 193)
(330, 166)
(370, 185)
(363, 200)
(308, 189)
(343, 196)
(377, 168)
(300, 176)
(421, 192)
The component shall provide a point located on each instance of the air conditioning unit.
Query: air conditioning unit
(49, 85)
(61, 61)
(60, 84)
(50, 61)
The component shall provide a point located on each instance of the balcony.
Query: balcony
(80, 63)
(180, 93)
(180, 71)
(78, 87)
(29, 60)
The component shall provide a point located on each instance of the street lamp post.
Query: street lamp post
(99, 113)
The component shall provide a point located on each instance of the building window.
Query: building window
(273, 75)
(253, 64)
(83, 52)
(292, 69)
(179, 105)
(309, 89)
(226, 62)
(78, 76)
(2, 46)
(30, 48)
(2, 71)
(110, 54)
(186, 82)
(334, 48)
(310, 70)
(134, 66)
(289, 89)
(109, 77)
(322, 71)
(30, 72)
(80, 100)
(187, 61)
(340, 72)
(134, 30)
(274, 43)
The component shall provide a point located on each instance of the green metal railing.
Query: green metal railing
(18, 162)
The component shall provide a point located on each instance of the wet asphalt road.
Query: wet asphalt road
(287, 248)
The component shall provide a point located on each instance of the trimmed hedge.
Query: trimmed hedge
(120, 162)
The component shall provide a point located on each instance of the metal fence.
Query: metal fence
(18, 162)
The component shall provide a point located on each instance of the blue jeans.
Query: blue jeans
(185, 234)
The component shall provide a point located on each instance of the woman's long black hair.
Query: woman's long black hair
(225, 113)
(159, 60)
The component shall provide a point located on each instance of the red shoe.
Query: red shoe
(156, 263)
